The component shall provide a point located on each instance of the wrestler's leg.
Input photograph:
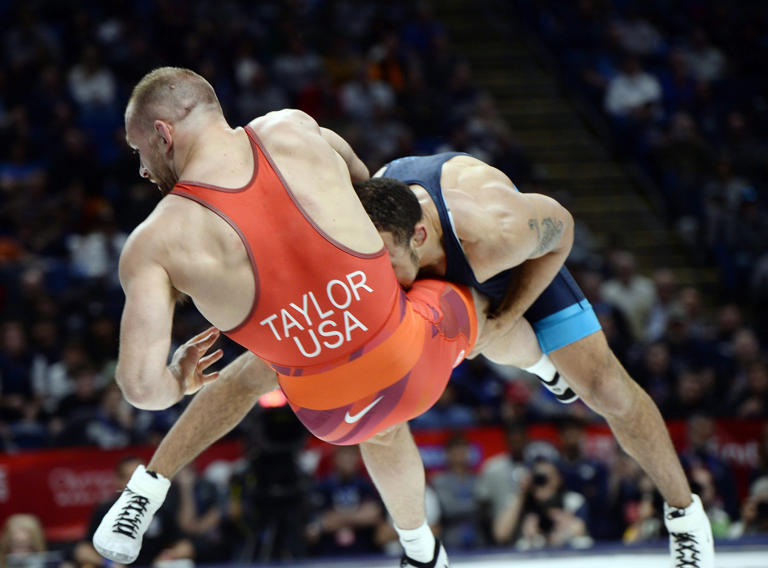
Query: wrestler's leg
(213, 412)
(594, 372)
(394, 464)
(516, 345)
(513, 342)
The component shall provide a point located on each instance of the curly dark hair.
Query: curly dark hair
(391, 205)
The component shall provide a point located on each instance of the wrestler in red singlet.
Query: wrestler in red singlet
(354, 354)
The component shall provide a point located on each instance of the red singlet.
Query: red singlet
(353, 354)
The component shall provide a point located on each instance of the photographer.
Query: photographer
(552, 516)
(267, 507)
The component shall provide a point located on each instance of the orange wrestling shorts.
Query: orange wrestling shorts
(396, 376)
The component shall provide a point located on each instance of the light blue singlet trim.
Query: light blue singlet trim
(566, 326)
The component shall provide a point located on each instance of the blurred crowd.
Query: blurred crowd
(683, 97)
(278, 505)
(682, 86)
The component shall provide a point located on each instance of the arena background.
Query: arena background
(646, 119)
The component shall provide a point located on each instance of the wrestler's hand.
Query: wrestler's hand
(189, 361)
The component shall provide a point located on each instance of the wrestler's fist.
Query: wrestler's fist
(190, 361)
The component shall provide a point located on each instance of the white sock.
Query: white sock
(542, 368)
(419, 543)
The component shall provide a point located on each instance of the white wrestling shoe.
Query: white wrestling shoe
(561, 389)
(439, 559)
(122, 529)
(690, 536)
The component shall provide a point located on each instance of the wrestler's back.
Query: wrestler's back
(205, 257)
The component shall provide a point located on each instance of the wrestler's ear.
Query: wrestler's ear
(419, 235)
(165, 131)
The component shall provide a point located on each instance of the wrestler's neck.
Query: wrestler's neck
(201, 149)
(431, 252)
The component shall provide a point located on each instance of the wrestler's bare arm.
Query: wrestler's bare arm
(358, 171)
(501, 228)
(145, 333)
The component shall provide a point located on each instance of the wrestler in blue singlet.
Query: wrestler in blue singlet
(561, 315)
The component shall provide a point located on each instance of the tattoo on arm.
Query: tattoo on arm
(548, 234)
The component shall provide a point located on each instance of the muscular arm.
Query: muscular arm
(549, 241)
(145, 329)
(501, 228)
(358, 171)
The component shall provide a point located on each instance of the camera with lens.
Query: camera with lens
(539, 479)
(762, 510)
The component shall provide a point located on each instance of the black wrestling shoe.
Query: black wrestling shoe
(439, 559)
(560, 389)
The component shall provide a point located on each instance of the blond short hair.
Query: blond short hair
(28, 523)
(170, 93)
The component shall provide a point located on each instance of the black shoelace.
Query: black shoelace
(686, 542)
(130, 516)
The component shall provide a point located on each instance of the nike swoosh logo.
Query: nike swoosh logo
(351, 419)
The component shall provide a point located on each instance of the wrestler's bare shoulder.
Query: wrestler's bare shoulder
(293, 141)
(476, 178)
(174, 222)
(486, 209)
(478, 195)
(284, 129)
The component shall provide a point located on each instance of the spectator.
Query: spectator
(707, 63)
(362, 97)
(754, 511)
(633, 92)
(701, 451)
(297, 68)
(552, 516)
(751, 399)
(90, 82)
(347, 508)
(744, 350)
(57, 382)
(269, 501)
(630, 292)
(703, 485)
(85, 395)
(15, 363)
(200, 516)
(692, 395)
(638, 36)
(108, 426)
(684, 157)
(585, 476)
(259, 94)
(665, 284)
(455, 490)
(22, 543)
(624, 491)
(644, 514)
(501, 485)
(761, 468)
(656, 374)
(447, 412)
(163, 539)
